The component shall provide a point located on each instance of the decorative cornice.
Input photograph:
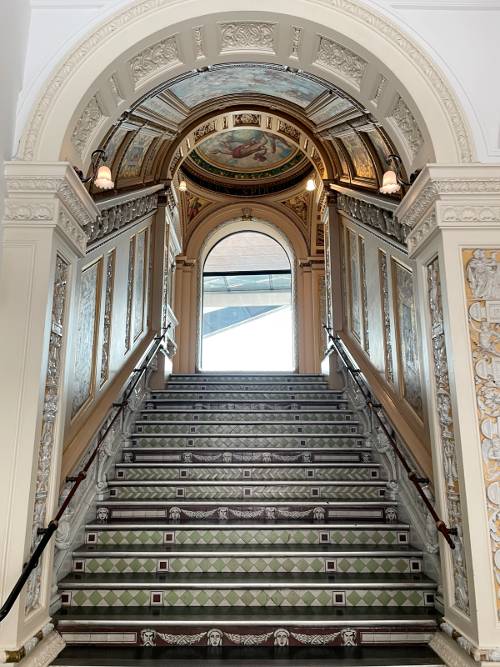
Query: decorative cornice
(114, 217)
(127, 17)
(372, 216)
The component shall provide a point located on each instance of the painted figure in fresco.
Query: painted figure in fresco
(257, 147)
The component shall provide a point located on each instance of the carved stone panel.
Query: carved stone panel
(130, 292)
(406, 335)
(247, 36)
(84, 363)
(364, 295)
(482, 286)
(354, 285)
(108, 312)
(341, 60)
(447, 435)
(49, 414)
(151, 61)
(408, 126)
(86, 124)
(140, 283)
(386, 315)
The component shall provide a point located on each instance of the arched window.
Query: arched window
(247, 322)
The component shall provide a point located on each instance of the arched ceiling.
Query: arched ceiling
(247, 129)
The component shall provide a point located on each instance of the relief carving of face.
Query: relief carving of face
(349, 637)
(281, 638)
(214, 638)
(148, 637)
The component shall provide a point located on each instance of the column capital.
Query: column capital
(450, 197)
(49, 194)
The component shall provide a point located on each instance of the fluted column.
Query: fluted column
(453, 217)
(46, 208)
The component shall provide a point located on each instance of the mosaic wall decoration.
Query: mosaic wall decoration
(354, 283)
(108, 312)
(406, 324)
(88, 311)
(140, 283)
(385, 301)
(482, 288)
(360, 157)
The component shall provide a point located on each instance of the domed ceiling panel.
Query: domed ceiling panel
(264, 80)
(246, 154)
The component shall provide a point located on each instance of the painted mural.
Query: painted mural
(337, 106)
(158, 106)
(139, 283)
(194, 205)
(355, 306)
(407, 336)
(344, 168)
(113, 144)
(83, 369)
(381, 148)
(294, 88)
(136, 152)
(360, 158)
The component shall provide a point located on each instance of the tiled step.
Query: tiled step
(323, 395)
(240, 385)
(257, 427)
(248, 626)
(241, 655)
(203, 533)
(168, 415)
(252, 489)
(182, 510)
(248, 455)
(235, 471)
(229, 440)
(253, 590)
(208, 378)
(234, 559)
(261, 404)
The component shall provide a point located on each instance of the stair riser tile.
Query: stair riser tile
(248, 406)
(248, 565)
(272, 474)
(225, 442)
(245, 386)
(240, 597)
(382, 537)
(296, 417)
(247, 377)
(144, 454)
(237, 492)
(264, 428)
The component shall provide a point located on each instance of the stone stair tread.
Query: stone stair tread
(250, 580)
(149, 524)
(254, 615)
(343, 550)
(249, 464)
(251, 503)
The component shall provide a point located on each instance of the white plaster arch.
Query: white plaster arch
(408, 72)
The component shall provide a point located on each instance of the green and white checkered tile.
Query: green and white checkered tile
(264, 428)
(248, 536)
(243, 473)
(369, 536)
(296, 416)
(240, 597)
(320, 395)
(229, 442)
(116, 537)
(215, 492)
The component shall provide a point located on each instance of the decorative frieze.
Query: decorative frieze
(108, 311)
(482, 288)
(341, 60)
(154, 59)
(289, 130)
(247, 36)
(86, 125)
(204, 130)
(408, 126)
(113, 217)
(447, 434)
(242, 119)
(49, 415)
(372, 216)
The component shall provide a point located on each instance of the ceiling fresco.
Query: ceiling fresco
(292, 87)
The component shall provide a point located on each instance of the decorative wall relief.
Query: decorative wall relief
(204, 130)
(406, 325)
(289, 130)
(247, 36)
(86, 335)
(447, 435)
(87, 123)
(364, 295)
(408, 126)
(299, 204)
(354, 284)
(108, 311)
(386, 315)
(130, 291)
(141, 258)
(241, 119)
(199, 51)
(152, 60)
(49, 414)
(482, 286)
(371, 215)
(341, 60)
(296, 39)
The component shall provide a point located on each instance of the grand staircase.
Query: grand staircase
(247, 524)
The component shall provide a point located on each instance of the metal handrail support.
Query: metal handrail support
(52, 526)
(375, 409)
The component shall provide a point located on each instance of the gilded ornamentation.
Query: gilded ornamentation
(482, 277)
(199, 51)
(86, 125)
(240, 119)
(247, 36)
(341, 60)
(386, 315)
(130, 292)
(408, 126)
(204, 130)
(88, 307)
(372, 216)
(299, 205)
(447, 434)
(296, 42)
(289, 130)
(49, 415)
(154, 59)
(108, 311)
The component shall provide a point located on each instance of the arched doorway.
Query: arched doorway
(247, 313)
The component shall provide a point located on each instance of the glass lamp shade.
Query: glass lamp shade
(103, 179)
(310, 185)
(390, 183)
(183, 186)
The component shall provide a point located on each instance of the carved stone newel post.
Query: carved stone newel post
(453, 218)
(46, 208)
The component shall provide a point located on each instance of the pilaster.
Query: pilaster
(46, 210)
(453, 219)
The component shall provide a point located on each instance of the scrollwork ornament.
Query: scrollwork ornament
(247, 36)
(340, 59)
